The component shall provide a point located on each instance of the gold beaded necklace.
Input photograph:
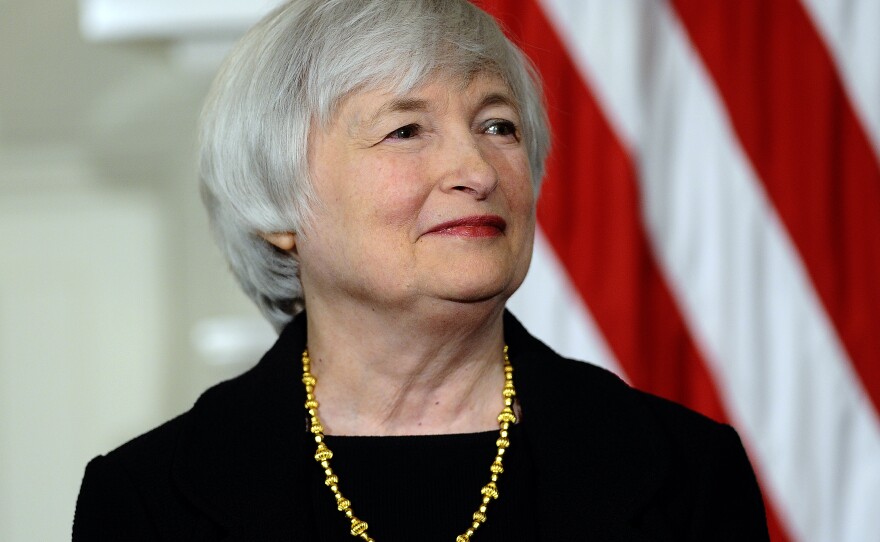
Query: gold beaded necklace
(323, 453)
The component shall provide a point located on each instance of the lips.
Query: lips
(471, 226)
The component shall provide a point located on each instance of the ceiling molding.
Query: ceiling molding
(174, 20)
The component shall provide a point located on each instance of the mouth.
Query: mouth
(471, 226)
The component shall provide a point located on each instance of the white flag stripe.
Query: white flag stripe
(551, 309)
(851, 29)
(782, 372)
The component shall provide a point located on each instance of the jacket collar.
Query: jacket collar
(597, 458)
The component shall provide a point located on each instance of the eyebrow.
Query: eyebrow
(397, 105)
(405, 105)
(498, 98)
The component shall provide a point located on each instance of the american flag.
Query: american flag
(709, 228)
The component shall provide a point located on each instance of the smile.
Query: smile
(471, 226)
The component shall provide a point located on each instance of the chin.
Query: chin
(498, 290)
(477, 297)
(475, 280)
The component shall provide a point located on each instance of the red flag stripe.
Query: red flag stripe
(785, 99)
(595, 227)
(849, 28)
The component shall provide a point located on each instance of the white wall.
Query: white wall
(106, 264)
(82, 349)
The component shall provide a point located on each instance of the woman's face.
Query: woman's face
(423, 197)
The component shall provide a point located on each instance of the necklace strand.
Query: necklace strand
(323, 454)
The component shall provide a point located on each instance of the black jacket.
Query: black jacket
(612, 463)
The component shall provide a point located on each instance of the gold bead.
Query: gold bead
(358, 527)
(469, 533)
(317, 428)
(480, 516)
(508, 392)
(507, 415)
(323, 455)
(490, 490)
(496, 467)
(331, 480)
(483, 509)
(494, 477)
(308, 379)
(462, 538)
(502, 443)
(312, 404)
(342, 504)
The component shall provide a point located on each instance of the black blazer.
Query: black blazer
(612, 463)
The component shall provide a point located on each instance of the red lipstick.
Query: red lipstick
(471, 226)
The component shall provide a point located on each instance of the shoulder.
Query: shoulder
(643, 459)
(153, 451)
(131, 492)
(689, 432)
(228, 404)
(691, 437)
(197, 474)
(551, 377)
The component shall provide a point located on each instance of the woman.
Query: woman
(377, 163)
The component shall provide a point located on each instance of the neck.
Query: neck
(396, 374)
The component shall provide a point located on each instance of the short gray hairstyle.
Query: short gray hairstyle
(294, 68)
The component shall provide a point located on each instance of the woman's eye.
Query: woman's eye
(502, 128)
(405, 132)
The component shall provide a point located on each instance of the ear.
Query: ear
(285, 240)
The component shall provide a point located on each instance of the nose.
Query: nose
(469, 169)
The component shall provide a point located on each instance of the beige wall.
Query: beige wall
(106, 264)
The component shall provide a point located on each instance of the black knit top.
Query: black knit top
(425, 488)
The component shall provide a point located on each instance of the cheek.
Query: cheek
(521, 195)
(390, 191)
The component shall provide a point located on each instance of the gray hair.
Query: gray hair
(294, 67)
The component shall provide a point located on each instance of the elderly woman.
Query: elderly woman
(371, 169)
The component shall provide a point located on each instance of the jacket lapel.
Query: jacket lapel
(597, 458)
